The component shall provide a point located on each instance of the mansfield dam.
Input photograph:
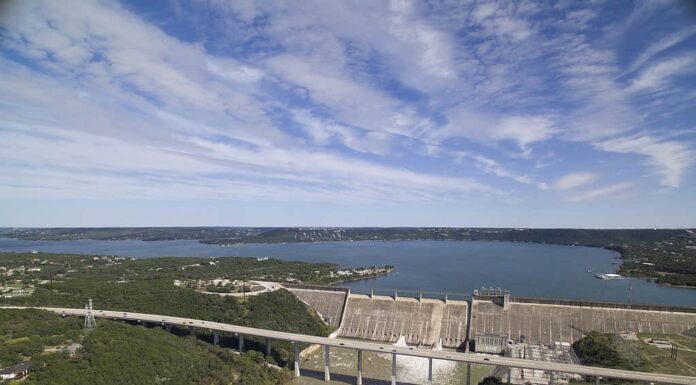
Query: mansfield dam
(458, 323)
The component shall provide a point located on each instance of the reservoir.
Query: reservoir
(526, 269)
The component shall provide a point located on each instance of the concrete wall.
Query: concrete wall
(455, 322)
(420, 322)
(546, 323)
(329, 304)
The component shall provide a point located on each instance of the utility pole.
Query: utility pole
(90, 323)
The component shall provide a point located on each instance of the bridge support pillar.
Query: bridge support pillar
(393, 374)
(446, 298)
(551, 382)
(468, 373)
(372, 293)
(168, 327)
(296, 353)
(509, 372)
(241, 343)
(430, 371)
(359, 379)
(268, 347)
(216, 337)
(327, 374)
(420, 296)
(597, 379)
(396, 295)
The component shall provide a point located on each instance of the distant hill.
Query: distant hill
(224, 235)
(667, 256)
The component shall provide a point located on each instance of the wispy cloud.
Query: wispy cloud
(339, 101)
(659, 46)
(573, 180)
(612, 191)
(668, 158)
(657, 76)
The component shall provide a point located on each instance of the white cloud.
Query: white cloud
(657, 47)
(172, 114)
(525, 130)
(521, 130)
(612, 191)
(573, 180)
(436, 58)
(657, 76)
(668, 158)
(365, 90)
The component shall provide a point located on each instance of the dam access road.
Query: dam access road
(326, 342)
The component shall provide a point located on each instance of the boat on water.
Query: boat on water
(608, 276)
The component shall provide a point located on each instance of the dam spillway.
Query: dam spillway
(419, 321)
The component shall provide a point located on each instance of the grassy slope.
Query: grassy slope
(607, 350)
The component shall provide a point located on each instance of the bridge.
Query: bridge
(360, 346)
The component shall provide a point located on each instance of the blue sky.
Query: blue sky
(348, 113)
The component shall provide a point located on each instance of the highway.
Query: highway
(381, 348)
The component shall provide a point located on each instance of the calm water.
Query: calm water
(534, 270)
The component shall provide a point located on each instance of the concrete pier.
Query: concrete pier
(216, 337)
(468, 373)
(327, 374)
(360, 369)
(296, 354)
(241, 343)
(430, 371)
(393, 373)
(268, 347)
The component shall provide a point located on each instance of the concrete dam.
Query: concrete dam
(426, 321)
(329, 302)
(419, 321)
(546, 323)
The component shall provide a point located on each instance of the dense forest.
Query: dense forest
(118, 353)
(147, 286)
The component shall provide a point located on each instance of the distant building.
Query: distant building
(16, 372)
(490, 343)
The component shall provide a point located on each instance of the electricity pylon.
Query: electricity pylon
(90, 323)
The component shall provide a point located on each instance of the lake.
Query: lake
(526, 269)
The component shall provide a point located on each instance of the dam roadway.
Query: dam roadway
(470, 358)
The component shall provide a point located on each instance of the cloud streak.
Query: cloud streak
(322, 101)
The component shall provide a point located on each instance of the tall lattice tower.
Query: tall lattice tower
(90, 323)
